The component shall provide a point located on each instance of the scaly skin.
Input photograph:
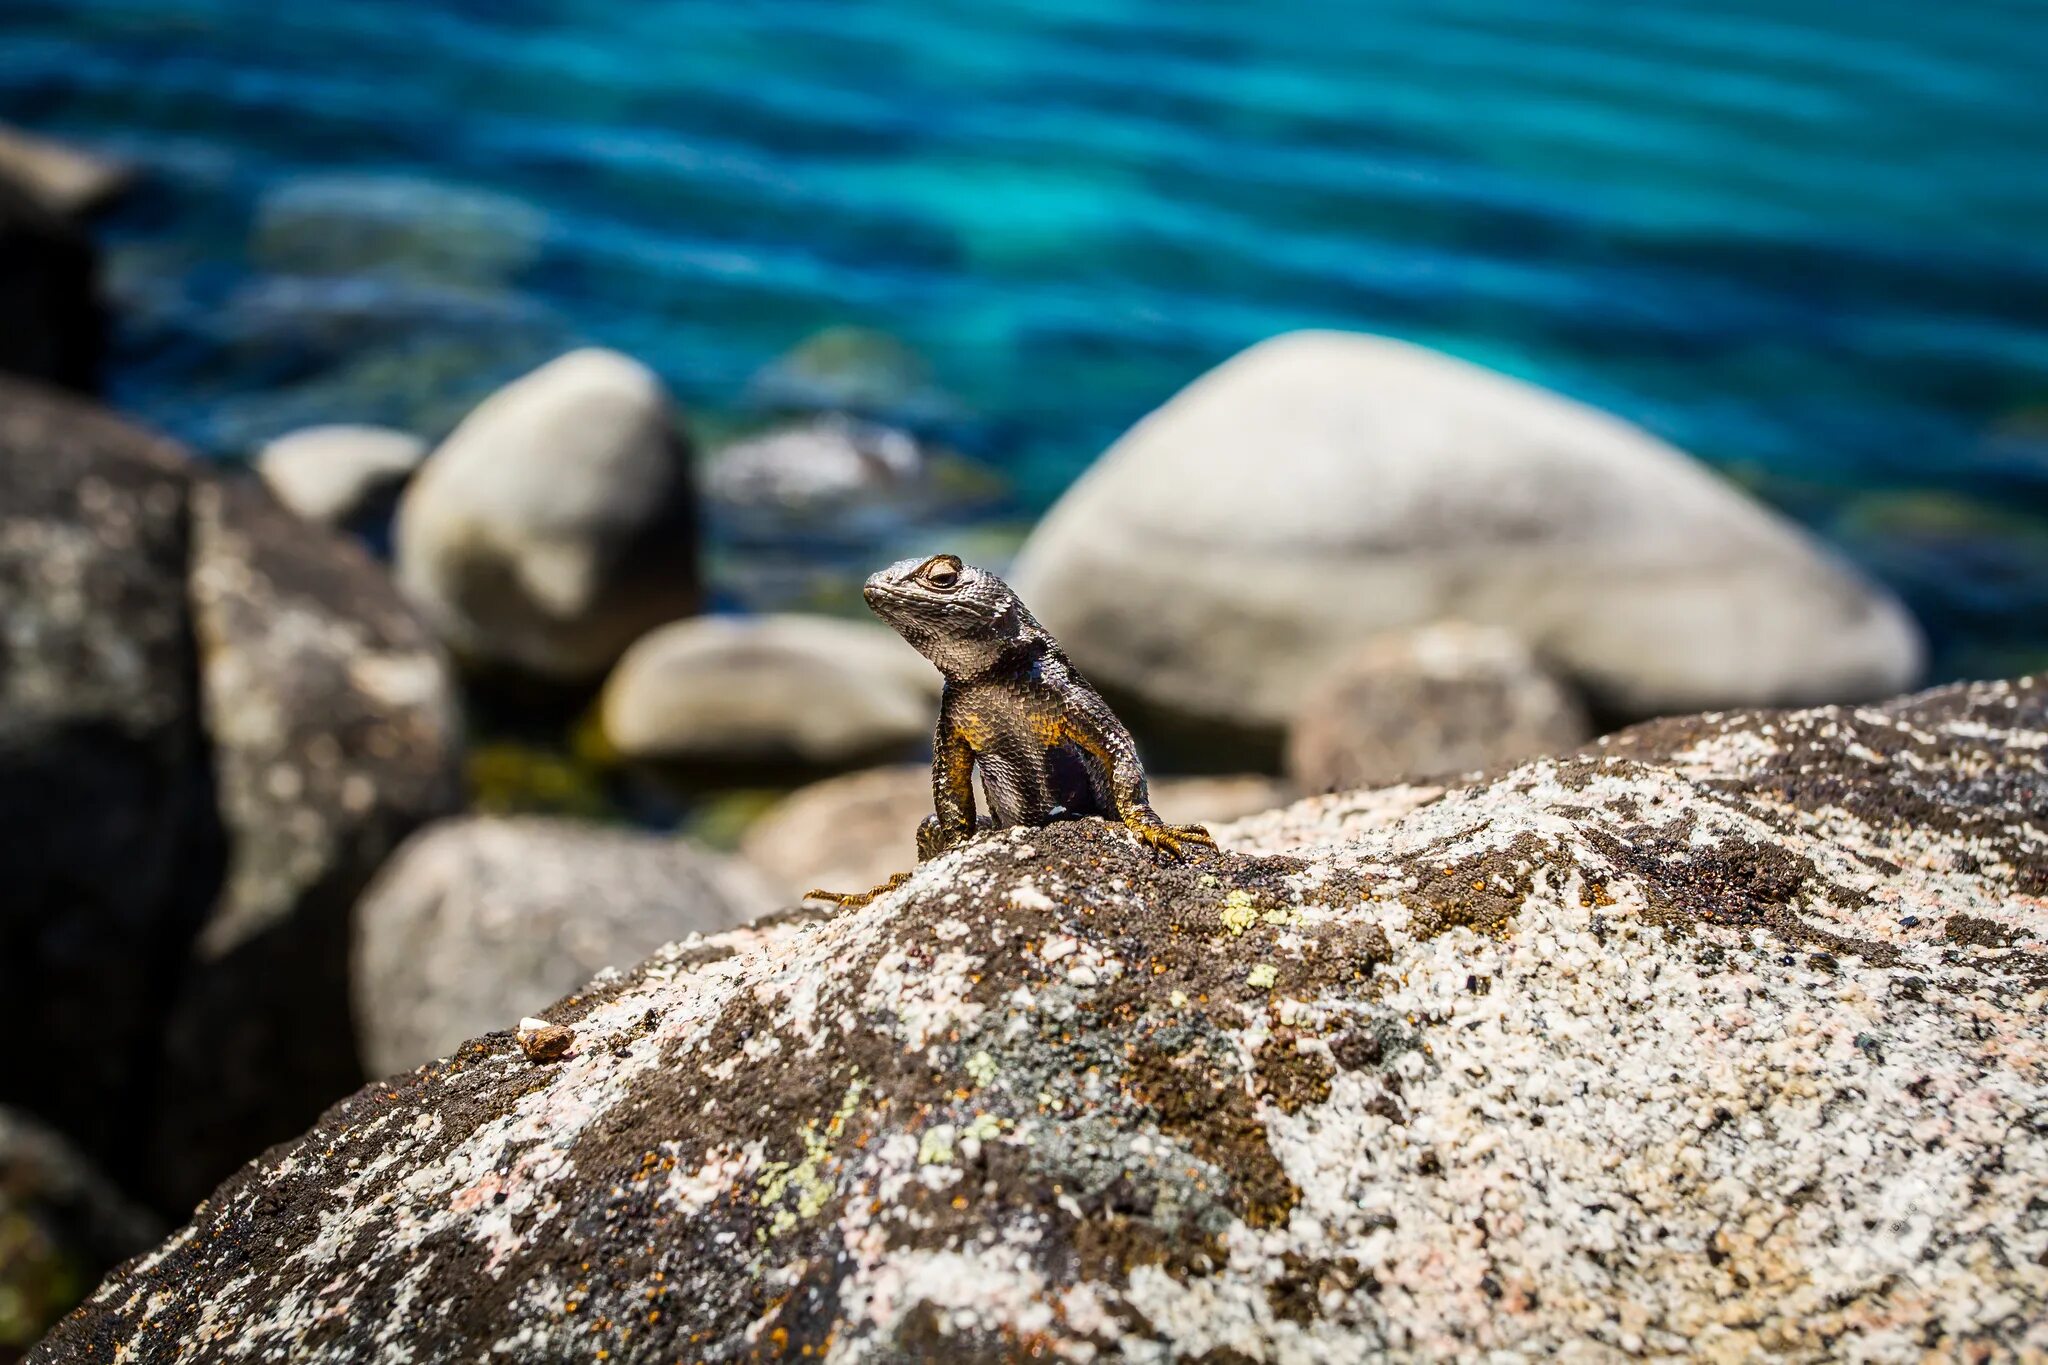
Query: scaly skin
(1047, 745)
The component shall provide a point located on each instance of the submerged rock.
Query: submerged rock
(854, 831)
(1441, 699)
(1720, 1038)
(769, 692)
(558, 523)
(340, 475)
(1323, 487)
(826, 461)
(62, 1226)
(476, 922)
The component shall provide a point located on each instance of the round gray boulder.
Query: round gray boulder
(558, 522)
(338, 475)
(477, 922)
(1447, 698)
(823, 462)
(1323, 487)
(801, 691)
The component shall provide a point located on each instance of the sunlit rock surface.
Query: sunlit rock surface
(1721, 1037)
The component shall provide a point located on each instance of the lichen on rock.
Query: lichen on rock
(1719, 1037)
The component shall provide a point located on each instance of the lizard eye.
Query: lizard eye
(942, 573)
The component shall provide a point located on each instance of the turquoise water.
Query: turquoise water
(1805, 239)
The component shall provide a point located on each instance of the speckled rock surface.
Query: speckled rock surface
(1720, 1038)
(478, 921)
(335, 733)
(854, 831)
(112, 844)
(62, 1226)
(1441, 699)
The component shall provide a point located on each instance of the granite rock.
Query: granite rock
(1323, 487)
(478, 921)
(769, 692)
(340, 475)
(558, 522)
(52, 323)
(1719, 1038)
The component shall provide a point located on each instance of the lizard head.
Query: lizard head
(962, 618)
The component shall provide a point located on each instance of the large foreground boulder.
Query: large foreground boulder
(1322, 487)
(558, 522)
(476, 922)
(215, 721)
(1721, 1038)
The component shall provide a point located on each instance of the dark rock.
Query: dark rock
(476, 922)
(113, 846)
(335, 734)
(62, 1226)
(1530, 1066)
(52, 325)
(215, 720)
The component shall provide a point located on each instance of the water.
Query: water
(1806, 240)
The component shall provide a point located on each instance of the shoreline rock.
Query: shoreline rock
(1322, 487)
(557, 523)
(1719, 1037)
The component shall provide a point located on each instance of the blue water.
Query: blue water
(1805, 239)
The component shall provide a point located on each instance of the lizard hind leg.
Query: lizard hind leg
(852, 898)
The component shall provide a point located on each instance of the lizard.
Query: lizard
(1047, 744)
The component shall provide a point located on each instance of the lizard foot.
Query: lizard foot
(852, 898)
(1169, 838)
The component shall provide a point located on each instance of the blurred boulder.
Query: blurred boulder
(823, 462)
(851, 832)
(62, 1226)
(769, 692)
(340, 475)
(479, 921)
(112, 849)
(849, 369)
(215, 720)
(336, 732)
(1441, 699)
(394, 227)
(558, 522)
(1322, 487)
(68, 181)
(52, 326)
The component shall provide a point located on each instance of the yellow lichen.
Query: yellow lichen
(1239, 914)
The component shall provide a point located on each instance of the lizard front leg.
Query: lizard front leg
(952, 817)
(1090, 724)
